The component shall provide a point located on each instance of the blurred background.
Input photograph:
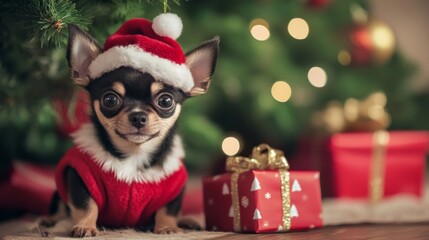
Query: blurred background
(287, 71)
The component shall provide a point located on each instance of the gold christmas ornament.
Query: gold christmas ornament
(371, 40)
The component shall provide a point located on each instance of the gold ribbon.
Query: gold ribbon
(263, 157)
(380, 140)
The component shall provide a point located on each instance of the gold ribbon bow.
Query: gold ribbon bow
(354, 115)
(263, 158)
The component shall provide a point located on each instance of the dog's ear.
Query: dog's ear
(82, 49)
(202, 62)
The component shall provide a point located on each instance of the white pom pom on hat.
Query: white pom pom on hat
(167, 25)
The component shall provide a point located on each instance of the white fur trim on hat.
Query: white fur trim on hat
(164, 70)
(167, 25)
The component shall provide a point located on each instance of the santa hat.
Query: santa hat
(147, 47)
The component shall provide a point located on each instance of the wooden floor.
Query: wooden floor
(379, 232)
(25, 230)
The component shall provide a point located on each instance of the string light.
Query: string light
(230, 146)
(281, 91)
(259, 29)
(298, 28)
(317, 77)
(383, 37)
(344, 57)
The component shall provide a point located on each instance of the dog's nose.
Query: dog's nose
(138, 119)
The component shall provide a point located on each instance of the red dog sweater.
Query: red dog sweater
(121, 202)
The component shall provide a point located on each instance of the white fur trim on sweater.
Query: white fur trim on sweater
(168, 25)
(164, 70)
(132, 168)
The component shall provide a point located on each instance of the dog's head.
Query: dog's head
(135, 102)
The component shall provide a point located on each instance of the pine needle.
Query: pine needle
(46, 20)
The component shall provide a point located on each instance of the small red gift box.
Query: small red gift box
(379, 164)
(263, 201)
(260, 199)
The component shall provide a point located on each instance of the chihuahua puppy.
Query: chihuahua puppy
(126, 168)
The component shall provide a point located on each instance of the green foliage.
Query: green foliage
(45, 20)
(240, 97)
(166, 6)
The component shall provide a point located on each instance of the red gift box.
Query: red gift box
(260, 200)
(28, 188)
(313, 154)
(367, 168)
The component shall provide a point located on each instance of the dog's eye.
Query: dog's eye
(111, 100)
(165, 101)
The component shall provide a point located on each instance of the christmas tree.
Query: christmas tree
(280, 61)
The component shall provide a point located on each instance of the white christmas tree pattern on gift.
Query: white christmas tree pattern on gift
(294, 211)
(280, 229)
(225, 189)
(244, 202)
(296, 187)
(255, 185)
(231, 212)
(257, 215)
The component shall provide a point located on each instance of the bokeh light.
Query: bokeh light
(281, 91)
(376, 112)
(230, 146)
(259, 29)
(344, 57)
(383, 37)
(298, 28)
(317, 77)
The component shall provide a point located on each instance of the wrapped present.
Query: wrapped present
(379, 164)
(259, 195)
(27, 188)
(314, 150)
(72, 114)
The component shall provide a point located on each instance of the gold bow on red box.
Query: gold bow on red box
(354, 115)
(263, 158)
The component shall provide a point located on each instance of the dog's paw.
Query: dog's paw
(40, 229)
(168, 230)
(83, 231)
(188, 223)
(47, 222)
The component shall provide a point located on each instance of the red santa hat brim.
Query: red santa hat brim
(163, 70)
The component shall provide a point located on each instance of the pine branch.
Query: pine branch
(46, 20)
